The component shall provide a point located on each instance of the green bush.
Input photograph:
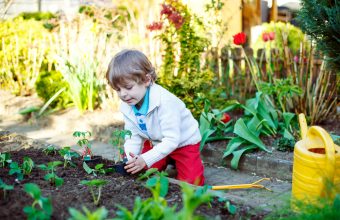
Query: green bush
(38, 16)
(295, 36)
(320, 20)
(23, 49)
(48, 84)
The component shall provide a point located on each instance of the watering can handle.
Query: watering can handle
(317, 131)
(303, 126)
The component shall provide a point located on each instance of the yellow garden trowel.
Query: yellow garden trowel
(241, 186)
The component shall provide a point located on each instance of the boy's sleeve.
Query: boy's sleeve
(134, 143)
(170, 119)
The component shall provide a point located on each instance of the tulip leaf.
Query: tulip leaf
(205, 136)
(237, 155)
(233, 145)
(242, 130)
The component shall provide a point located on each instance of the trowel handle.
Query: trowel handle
(303, 126)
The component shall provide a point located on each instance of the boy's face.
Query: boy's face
(133, 93)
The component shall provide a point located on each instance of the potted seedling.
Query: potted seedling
(87, 154)
(117, 141)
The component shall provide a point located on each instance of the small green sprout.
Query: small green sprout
(41, 207)
(117, 141)
(5, 158)
(67, 154)
(99, 214)
(99, 183)
(84, 142)
(5, 187)
(50, 150)
(51, 176)
(27, 166)
(16, 169)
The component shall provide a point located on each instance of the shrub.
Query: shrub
(49, 83)
(320, 20)
(23, 51)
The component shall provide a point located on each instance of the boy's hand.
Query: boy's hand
(135, 164)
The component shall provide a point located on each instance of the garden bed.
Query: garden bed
(120, 190)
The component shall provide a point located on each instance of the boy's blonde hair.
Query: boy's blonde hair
(129, 65)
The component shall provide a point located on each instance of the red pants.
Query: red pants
(187, 161)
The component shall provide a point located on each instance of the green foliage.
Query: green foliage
(5, 158)
(210, 124)
(41, 207)
(5, 187)
(23, 54)
(84, 142)
(320, 20)
(48, 84)
(38, 16)
(50, 150)
(117, 141)
(51, 176)
(99, 214)
(95, 183)
(157, 207)
(282, 90)
(181, 38)
(294, 37)
(260, 118)
(67, 154)
(284, 144)
(27, 166)
(16, 169)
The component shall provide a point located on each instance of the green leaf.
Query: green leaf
(94, 182)
(29, 110)
(151, 182)
(33, 190)
(205, 136)
(147, 173)
(288, 135)
(241, 130)
(287, 117)
(237, 155)
(59, 181)
(233, 145)
(231, 208)
(164, 186)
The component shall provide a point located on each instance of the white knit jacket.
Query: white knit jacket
(169, 123)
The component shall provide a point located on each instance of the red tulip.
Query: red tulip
(225, 118)
(155, 26)
(265, 37)
(240, 38)
(271, 35)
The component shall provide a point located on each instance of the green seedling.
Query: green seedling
(99, 214)
(5, 187)
(117, 141)
(41, 207)
(50, 150)
(51, 176)
(89, 170)
(27, 166)
(5, 158)
(84, 142)
(16, 169)
(67, 154)
(98, 183)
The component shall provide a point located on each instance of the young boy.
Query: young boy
(162, 127)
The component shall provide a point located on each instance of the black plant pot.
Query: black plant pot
(93, 161)
(119, 167)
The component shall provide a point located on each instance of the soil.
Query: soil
(120, 190)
